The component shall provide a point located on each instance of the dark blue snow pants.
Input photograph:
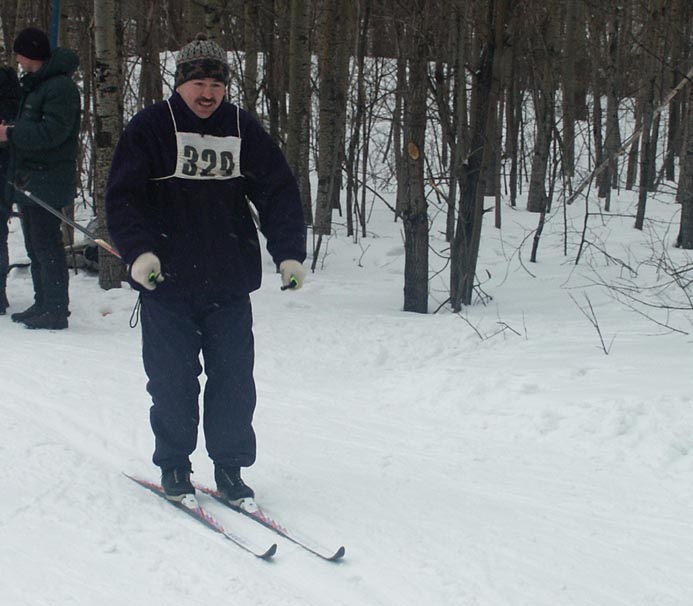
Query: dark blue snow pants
(174, 333)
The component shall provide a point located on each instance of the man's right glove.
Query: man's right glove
(146, 270)
(293, 274)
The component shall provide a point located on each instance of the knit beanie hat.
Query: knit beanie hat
(199, 59)
(33, 44)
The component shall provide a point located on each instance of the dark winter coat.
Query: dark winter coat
(9, 104)
(45, 138)
(202, 230)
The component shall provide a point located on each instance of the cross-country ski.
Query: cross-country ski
(250, 509)
(196, 511)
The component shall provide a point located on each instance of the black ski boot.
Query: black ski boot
(4, 303)
(230, 485)
(176, 483)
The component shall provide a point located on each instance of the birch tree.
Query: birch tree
(108, 125)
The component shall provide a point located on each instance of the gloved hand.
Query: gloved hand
(146, 270)
(293, 274)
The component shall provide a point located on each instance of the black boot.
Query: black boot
(20, 316)
(49, 319)
(230, 485)
(4, 303)
(176, 483)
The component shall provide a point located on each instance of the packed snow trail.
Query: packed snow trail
(522, 469)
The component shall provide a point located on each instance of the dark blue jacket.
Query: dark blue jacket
(202, 230)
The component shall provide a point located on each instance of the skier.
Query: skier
(177, 210)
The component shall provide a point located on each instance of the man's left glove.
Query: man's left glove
(293, 274)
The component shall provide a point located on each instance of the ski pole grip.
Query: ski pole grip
(293, 283)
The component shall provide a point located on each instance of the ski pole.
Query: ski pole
(98, 241)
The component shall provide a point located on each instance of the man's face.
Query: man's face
(28, 65)
(202, 96)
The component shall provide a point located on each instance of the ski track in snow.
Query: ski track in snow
(525, 469)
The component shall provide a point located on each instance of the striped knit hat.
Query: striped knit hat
(199, 59)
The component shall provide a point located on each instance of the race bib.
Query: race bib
(207, 157)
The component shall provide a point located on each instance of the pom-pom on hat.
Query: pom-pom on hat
(33, 44)
(199, 59)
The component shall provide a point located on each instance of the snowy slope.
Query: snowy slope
(495, 458)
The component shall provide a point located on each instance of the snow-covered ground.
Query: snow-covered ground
(494, 458)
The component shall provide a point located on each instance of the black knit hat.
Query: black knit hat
(201, 58)
(33, 44)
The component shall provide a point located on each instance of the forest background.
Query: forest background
(457, 106)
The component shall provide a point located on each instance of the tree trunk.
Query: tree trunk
(568, 80)
(464, 250)
(212, 10)
(612, 142)
(275, 69)
(414, 208)
(685, 189)
(646, 153)
(250, 88)
(108, 122)
(359, 134)
(633, 155)
(298, 134)
(544, 100)
(335, 48)
(148, 26)
(194, 19)
(397, 134)
(513, 117)
(460, 121)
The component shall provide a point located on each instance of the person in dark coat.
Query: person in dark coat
(43, 144)
(177, 210)
(9, 104)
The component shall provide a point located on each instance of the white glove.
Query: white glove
(146, 270)
(293, 274)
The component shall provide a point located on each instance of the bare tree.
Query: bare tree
(414, 52)
(464, 250)
(542, 49)
(298, 133)
(250, 88)
(685, 189)
(148, 33)
(334, 51)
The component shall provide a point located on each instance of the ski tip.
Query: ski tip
(338, 555)
(270, 552)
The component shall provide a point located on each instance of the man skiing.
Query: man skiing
(177, 210)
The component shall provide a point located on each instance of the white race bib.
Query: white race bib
(207, 156)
